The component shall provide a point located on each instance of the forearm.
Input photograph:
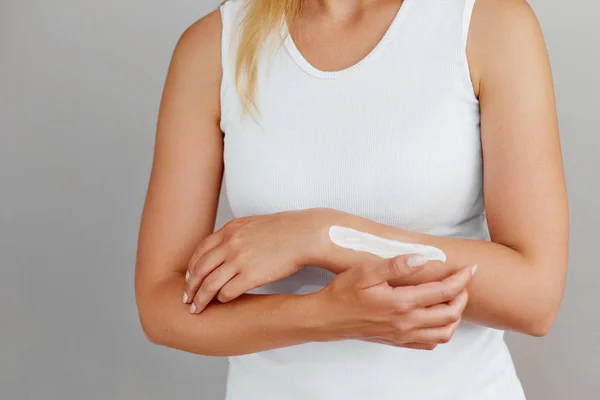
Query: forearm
(247, 325)
(510, 291)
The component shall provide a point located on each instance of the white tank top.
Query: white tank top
(395, 139)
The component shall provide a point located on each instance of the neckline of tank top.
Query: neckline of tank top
(297, 56)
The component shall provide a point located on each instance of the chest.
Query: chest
(390, 151)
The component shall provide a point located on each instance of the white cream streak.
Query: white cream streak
(385, 248)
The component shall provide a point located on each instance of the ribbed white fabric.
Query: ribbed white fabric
(395, 139)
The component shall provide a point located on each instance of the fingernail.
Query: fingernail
(185, 297)
(187, 276)
(416, 260)
(474, 269)
(193, 309)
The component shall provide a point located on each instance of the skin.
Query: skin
(521, 273)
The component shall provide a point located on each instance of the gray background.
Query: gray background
(80, 83)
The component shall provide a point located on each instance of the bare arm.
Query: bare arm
(180, 211)
(521, 275)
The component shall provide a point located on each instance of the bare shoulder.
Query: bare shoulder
(508, 19)
(201, 44)
(501, 30)
(204, 34)
(195, 72)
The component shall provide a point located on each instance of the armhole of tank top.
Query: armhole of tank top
(225, 54)
(466, 25)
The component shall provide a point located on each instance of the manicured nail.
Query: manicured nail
(193, 309)
(187, 276)
(416, 260)
(185, 297)
(474, 269)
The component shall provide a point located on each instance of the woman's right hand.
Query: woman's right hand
(362, 305)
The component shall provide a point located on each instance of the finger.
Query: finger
(205, 265)
(415, 346)
(419, 346)
(208, 244)
(391, 268)
(211, 286)
(429, 294)
(440, 314)
(233, 289)
(437, 335)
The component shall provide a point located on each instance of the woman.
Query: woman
(383, 120)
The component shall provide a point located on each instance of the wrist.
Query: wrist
(318, 249)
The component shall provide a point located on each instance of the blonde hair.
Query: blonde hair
(262, 19)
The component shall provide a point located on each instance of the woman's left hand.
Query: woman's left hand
(251, 252)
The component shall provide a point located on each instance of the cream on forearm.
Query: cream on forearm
(385, 248)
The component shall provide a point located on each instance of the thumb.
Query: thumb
(392, 268)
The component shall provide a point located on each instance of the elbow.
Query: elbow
(150, 326)
(150, 331)
(540, 322)
(540, 327)
(544, 304)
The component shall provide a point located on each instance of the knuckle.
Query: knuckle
(404, 305)
(400, 327)
(447, 293)
(225, 295)
(455, 315)
(240, 220)
(236, 224)
(396, 266)
(197, 268)
(446, 335)
(235, 241)
(444, 338)
(231, 224)
(227, 231)
(208, 286)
